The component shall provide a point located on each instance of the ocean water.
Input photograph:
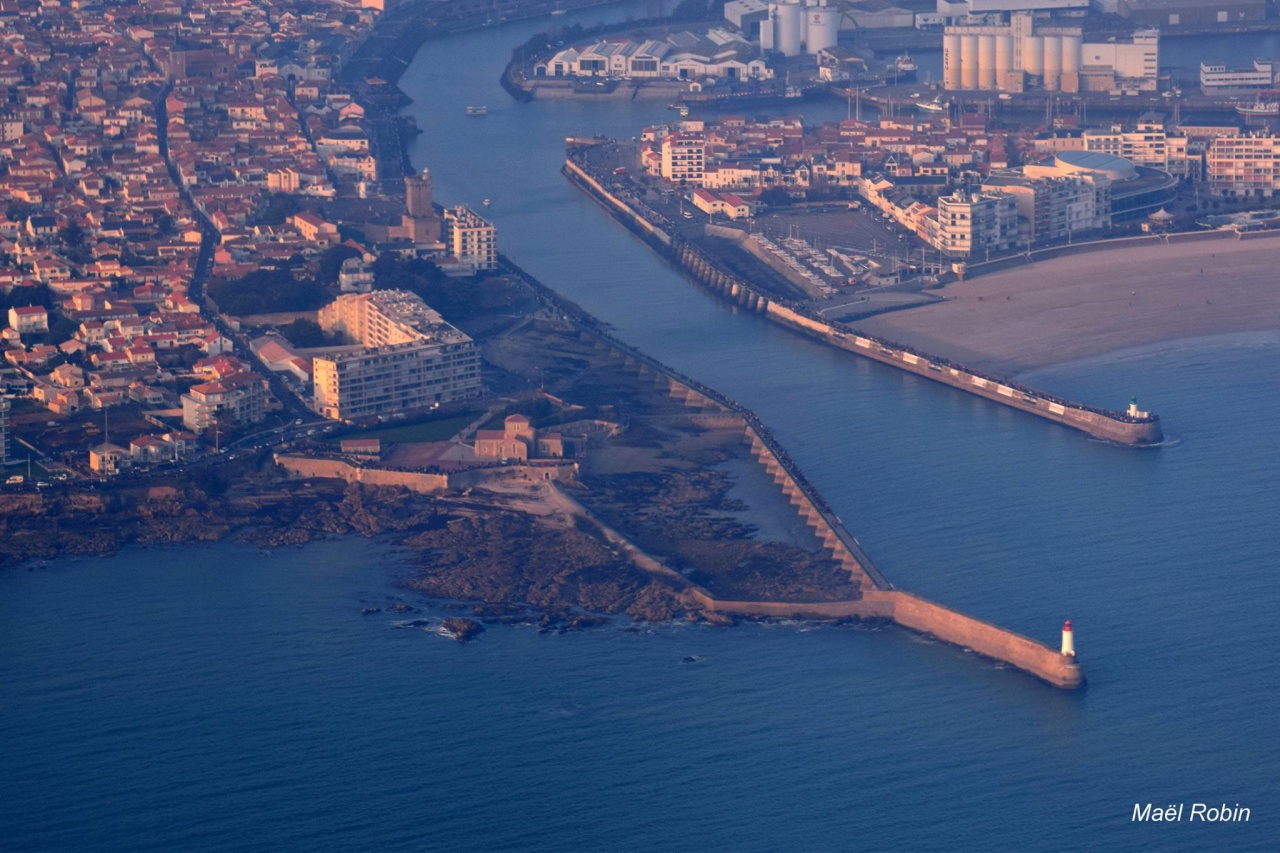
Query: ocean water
(220, 698)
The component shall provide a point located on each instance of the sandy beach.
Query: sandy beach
(1069, 308)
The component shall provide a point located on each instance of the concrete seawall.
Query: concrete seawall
(416, 481)
(1113, 426)
(631, 217)
(924, 617)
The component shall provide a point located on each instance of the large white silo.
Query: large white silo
(1052, 63)
(1004, 59)
(1071, 54)
(1033, 55)
(821, 28)
(788, 28)
(968, 62)
(986, 62)
(951, 61)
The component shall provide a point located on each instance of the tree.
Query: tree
(331, 262)
(267, 291)
(73, 235)
(21, 297)
(307, 333)
(280, 206)
(776, 197)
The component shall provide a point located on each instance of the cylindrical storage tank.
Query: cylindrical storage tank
(951, 61)
(1052, 63)
(1004, 59)
(1071, 54)
(1033, 55)
(821, 29)
(986, 62)
(968, 62)
(788, 28)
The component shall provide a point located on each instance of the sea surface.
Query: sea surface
(220, 698)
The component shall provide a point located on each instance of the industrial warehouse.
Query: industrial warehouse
(682, 56)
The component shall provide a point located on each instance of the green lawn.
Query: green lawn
(440, 430)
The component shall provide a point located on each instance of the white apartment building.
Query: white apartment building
(1149, 145)
(1243, 166)
(1055, 209)
(237, 399)
(977, 224)
(412, 359)
(684, 158)
(471, 239)
(355, 276)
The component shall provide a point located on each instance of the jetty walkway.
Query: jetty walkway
(1133, 428)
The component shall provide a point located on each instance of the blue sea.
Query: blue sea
(220, 698)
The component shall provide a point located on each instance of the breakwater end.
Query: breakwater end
(1134, 428)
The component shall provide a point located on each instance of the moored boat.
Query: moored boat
(1268, 109)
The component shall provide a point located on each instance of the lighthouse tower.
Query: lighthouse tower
(1068, 640)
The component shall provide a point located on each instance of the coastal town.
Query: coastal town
(215, 249)
(158, 157)
(185, 185)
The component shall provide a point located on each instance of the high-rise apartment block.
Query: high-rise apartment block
(471, 239)
(1054, 209)
(412, 358)
(977, 224)
(1244, 166)
(684, 158)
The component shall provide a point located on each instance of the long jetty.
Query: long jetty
(1128, 428)
(877, 598)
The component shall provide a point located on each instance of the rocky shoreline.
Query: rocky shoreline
(505, 549)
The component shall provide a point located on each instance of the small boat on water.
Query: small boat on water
(478, 111)
(905, 64)
(937, 105)
(1263, 109)
(486, 202)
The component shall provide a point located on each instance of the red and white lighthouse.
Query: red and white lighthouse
(1068, 640)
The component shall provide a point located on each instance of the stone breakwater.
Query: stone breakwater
(1118, 427)
(877, 598)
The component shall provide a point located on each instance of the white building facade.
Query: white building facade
(977, 224)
